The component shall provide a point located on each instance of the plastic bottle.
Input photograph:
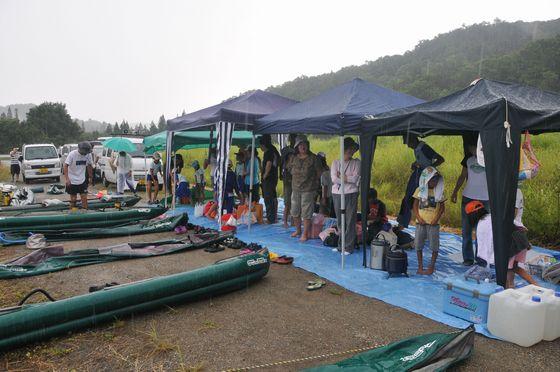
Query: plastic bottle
(517, 317)
(552, 314)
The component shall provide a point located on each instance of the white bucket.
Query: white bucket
(377, 249)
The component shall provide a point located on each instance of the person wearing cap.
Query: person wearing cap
(306, 170)
(269, 177)
(481, 218)
(428, 207)
(77, 164)
(424, 156)
(199, 182)
(286, 177)
(122, 163)
(152, 178)
(349, 170)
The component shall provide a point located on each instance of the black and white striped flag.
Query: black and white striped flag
(223, 144)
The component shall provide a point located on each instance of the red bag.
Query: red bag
(207, 207)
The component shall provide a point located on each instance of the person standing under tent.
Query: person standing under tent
(429, 206)
(349, 170)
(326, 203)
(475, 189)
(269, 178)
(15, 167)
(255, 195)
(424, 156)
(199, 183)
(286, 177)
(239, 174)
(123, 165)
(211, 162)
(152, 178)
(306, 170)
(77, 164)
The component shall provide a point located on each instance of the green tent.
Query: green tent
(190, 140)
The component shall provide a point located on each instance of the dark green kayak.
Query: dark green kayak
(68, 220)
(35, 322)
(125, 201)
(155, 225)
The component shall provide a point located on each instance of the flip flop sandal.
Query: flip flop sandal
(214, 249)
(314, 285)
(283, 260)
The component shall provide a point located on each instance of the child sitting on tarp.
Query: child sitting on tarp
(199, 183)
(377, 215)
(429, 205)
(479, 217)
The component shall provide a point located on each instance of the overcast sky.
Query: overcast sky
(112, 59)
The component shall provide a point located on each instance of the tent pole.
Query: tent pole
(342, 204)
(168, 147)
(174, 182)
(146, 175)
(251, 170)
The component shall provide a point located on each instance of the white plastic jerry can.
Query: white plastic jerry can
(517, 317)
(551, 300)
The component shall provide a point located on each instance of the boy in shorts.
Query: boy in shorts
(428, 207)
(75, 166)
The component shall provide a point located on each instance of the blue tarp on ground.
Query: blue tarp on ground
(420, 294)
(336, 111)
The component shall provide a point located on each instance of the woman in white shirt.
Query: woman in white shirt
(475, 189)
(349, 170)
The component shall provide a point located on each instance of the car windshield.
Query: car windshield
(40, 152)
(139, 153)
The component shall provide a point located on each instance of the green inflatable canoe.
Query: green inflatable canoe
(35, 322)
(71, 220)
(125, 201)
(155, 225)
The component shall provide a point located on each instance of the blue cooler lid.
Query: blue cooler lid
(484, 289)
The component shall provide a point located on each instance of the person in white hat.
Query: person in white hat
(306, 170)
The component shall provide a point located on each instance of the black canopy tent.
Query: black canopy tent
(337, 111)
(500, 112)
(235, 113)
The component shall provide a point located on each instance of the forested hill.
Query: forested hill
(524, 52)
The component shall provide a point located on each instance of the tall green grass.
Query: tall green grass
(391, 169)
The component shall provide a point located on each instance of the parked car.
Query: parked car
(65, 150)
(97, 154)
(140, 164)
(40, 161)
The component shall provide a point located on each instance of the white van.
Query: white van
(65, 150)
(40, 161)
(140, 164)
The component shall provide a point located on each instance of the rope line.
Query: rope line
(303, 359)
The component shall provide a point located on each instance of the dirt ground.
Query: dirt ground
(276, 319)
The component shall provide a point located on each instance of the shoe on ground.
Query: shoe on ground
(468, 262)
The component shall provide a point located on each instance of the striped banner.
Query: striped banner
(223, 143)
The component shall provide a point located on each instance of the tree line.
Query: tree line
(50, 122)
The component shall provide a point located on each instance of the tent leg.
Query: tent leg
(146, 176)
(174, 182)
(342, 204)
(251, 170)
(168, 149)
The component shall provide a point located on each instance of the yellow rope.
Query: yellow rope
(304, 359)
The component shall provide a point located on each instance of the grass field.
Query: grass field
(391, 169)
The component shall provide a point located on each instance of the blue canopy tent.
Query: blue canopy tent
(240, 112)
(499, 112)
(337, 111)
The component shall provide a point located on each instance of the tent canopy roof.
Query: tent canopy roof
(190, 140)
(243, 110)
(472, 109)
(336, 111)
